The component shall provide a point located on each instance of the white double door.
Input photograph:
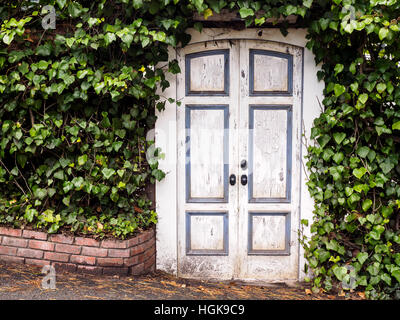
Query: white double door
(239, 160)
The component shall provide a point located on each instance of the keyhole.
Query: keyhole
(243, 75)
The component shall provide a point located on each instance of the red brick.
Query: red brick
(119, 253)
(96, 252)
(141, 257)
(89, 269)
(83, 260)
(123, 271)
(15, 242)
(87, 242)
(149, 262)
(64, 266)
(149, 234)
(137, 250)
(30, 234)
(42, 245)
(55, 256)
(60, 238)
(137, 270)
(114, 244)
(30, 253)
(10, 232)
(11, 259)
(110, 262)
(68, 248)
(10, 251)
(132, 242)
(150, 252)
(148, 244)
(36, 262)
(131, 261)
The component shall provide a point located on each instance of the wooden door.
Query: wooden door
(238, 160)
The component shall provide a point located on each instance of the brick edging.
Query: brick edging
(134, 256)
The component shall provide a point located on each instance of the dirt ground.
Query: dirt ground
(22, 282)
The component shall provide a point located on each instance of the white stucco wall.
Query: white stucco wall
(166, 139)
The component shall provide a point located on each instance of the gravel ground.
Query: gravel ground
(22, 282)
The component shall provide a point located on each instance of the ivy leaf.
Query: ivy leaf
(61, 3)
(109, 38)
(307, 3)
(363, 151)
(338, 157)
(82, 159)
(383, 32)
(339, 272)
(108, 173)
(339, 137)
(338, 68)
(366, 204)
(246, 12)
(207, 13)
(339, 89)
(362, 257)
(380, 87)
(363, 98)
(359, 172)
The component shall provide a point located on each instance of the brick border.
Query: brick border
(134, 256)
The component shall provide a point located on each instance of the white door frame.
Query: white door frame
(167, 136)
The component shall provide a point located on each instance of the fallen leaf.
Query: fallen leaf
(361, 294)
(308, 291)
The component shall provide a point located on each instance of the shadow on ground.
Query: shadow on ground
(19, 281)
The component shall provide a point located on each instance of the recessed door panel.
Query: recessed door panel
(207, 153)
(270, 153)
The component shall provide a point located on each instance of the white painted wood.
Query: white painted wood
(270, 73)
(269, 267)
(207, 233)
(269, 153)
(207, 153)
(167, 132)
(207, 266)
(268, 232)
(207, 73)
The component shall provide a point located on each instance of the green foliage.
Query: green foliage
(77, 102)
(355, 241)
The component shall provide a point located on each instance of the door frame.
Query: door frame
(166, 138)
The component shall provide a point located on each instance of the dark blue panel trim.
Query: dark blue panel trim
(287, 198)
(286, 56)
(206, 252)
(188, 109)
(285, 252)
(190, 56)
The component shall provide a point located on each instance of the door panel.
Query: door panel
(269, 153)
(207, 155)
(207, 143)
(240, 117)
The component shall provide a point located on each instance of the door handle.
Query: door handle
(243, 179)
(232, 179)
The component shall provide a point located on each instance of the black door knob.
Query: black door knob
(232, 179)
(243, 179)
(243, 164)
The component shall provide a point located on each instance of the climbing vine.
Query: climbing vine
(77, 103)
